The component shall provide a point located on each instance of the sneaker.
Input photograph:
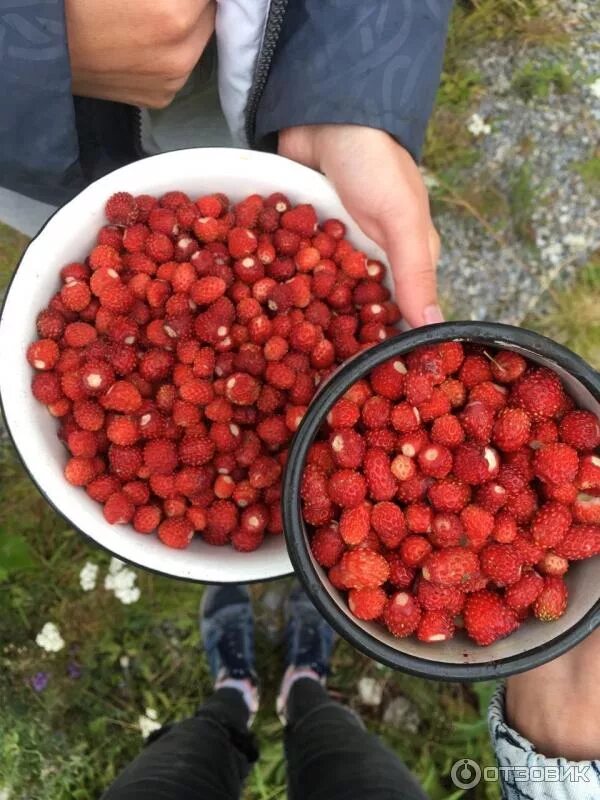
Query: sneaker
(309, 644)
(227, 628)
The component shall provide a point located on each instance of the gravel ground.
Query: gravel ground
(482, 277)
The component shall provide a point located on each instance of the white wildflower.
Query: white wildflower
(124, 662)
(552, 253)
(121, 581)
(575, 241)
(4, 794)
(116, 565)
(478, 127)
(88, 576)
(429, 179)
(595, 88)
(370, 692)
(148, 722)
(49, 638)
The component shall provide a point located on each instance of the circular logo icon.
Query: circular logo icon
(465, 773)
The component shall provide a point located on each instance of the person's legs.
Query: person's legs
(209, 755)
(330, 754)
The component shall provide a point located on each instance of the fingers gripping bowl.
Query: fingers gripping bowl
(458, 658)
(69, 236)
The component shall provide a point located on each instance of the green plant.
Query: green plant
(590, 171)
(521, 199)
(537, 80)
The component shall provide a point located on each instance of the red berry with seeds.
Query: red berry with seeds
(487, 617)
(551, 602)
(435, 626)
(402, 614)
(364, 569)
(368, 603)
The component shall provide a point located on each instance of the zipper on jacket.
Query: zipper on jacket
(263, 65)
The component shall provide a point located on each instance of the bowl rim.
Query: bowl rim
(493, 334)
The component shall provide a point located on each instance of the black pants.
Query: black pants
(330, 755)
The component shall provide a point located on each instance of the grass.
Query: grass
(536, 81)
(590, 171)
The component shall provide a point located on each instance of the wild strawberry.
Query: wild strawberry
(346, 488)
(451, 566)
(501, 563)
(487, 618)
(264, 472)
(449, 495)
(88, 415)
(586, 508)
(146, 518)
(195, 450)
(511, 429)
(43, 354)
(477, 420)
(380, 480)
(80, 471)
(103, 255)
(414, 550)
(402, 614)
(75, 295)
(478, 525)
(96, 377)
(440, 598)
(82, 443)
(543, 432)
(581, 541)
(475, 369)
(491, 496)
(367, 603)
(137, 491)
(418, 387)
(446, 530)
(580, 429)
(123, 430)
(428, 360)
(121, 209)
(400, 575)
(122, 396)
(507, 366)
(404, 418)
(100, 488)
(327, 545)
(556, 463)
(387, 380)
(177, 532)
(454, 391)
(301, 220)
(550, 524)
(435, 626)
(413, 489)
(402, 467)
(347, 448)
(418, 517)
(343, 414)
(551, 564)
(388, 522)
(159, 247)
(50, 324)
(524, 592)
(364, 569)
(79, 334)
(490, 394)
(540, 393)
(118, 509)
(475, 465)
(551, 602)
(447, 431)
(452, 355)
(436, 406)
(435, 461)
(588, 477)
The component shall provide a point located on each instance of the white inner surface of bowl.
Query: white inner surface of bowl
(68, 236)
(583, 580)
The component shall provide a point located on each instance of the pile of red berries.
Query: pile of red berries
(182, 353)
(454, 486)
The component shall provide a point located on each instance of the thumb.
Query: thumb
(412, 252)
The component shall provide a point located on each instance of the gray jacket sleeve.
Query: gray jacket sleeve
(525, 774)
(38, 135)
(366, 62)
